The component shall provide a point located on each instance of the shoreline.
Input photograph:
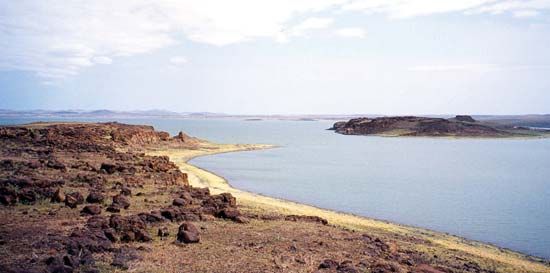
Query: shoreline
(261, 204)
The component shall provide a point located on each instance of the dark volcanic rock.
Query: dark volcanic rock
(179, 202)
(73, 199)
(114, 208)
(121, 201)
(95, 197)
(188, 233)
(108, 168)
(229, 213)
(91, 210)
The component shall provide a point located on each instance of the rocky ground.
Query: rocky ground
(459, 126)
(86, 198)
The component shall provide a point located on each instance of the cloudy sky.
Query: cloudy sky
(280, 56)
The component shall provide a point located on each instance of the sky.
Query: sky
(277, 57)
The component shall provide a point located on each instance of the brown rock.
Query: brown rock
(229, 213)
(58, 196)
(73, 199)
(95, 197)
(121, 200)
(108, 168)
(188, 233)
(91, 210)
(114, 208)
(180, 202)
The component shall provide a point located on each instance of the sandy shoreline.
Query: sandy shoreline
(267, 205)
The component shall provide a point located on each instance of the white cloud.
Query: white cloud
(525, 13)
(515, 6)
(351, 32)
(455, 68)
(412, 8)
(301, 29)
(473, 68)
(102, 60)
(57, 39)
(178, 60)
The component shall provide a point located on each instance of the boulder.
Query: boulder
(91, 210)
(121, 200)
(180, 202)
(169, 213)
(95, 197)
(114, 208)
(152, 217)
(108, 168)
(188, 233)
(73, 199)
(229, 213)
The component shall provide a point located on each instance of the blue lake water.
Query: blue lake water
(496, 191)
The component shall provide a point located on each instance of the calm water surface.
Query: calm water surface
(496, 191)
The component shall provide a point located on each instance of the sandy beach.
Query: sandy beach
(439, 244)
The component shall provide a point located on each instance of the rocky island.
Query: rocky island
(110, 197)
(459, 126)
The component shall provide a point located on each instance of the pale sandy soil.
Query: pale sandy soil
(501, 260)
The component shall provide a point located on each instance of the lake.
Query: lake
(495, 191)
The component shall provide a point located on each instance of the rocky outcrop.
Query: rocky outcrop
(460, 126)
(60, 162)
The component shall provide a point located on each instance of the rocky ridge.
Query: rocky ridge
(460, 126)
